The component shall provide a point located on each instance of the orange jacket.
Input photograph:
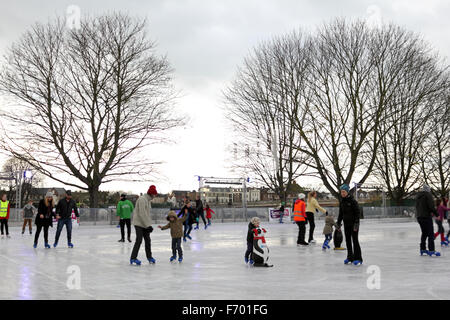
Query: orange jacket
(299, 210)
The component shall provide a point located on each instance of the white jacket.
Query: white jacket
(141, 213)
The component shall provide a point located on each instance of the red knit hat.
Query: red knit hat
(152, 190)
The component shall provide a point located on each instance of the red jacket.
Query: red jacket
(208, 213)
(7, 215)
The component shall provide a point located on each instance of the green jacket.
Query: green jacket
(124, 209)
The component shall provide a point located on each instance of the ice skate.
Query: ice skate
(444, 244)
(35, 245)
(357, 262)
(152, 260)
(312, 241)
(55, 244)
(189, 237)
(347, 261)
(206, 226)
(246, 260)
(129, 240)
(172, 258)
(135, 261)
(180, 259)
(423, 252)
(434, 253)
(47, 246)
(121, 240)
(70, 245)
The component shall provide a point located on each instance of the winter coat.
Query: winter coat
(442, 210)
(64, 208)
(176, 226)
(48, 214)
(192, 216)
(208, 212)
(141, 213)
(124, 209)
(329, 224)
(312, 205)
(198, 207)
(349, 211)
(28, 211)
(425, 205)
(7, 214)
(250, 233)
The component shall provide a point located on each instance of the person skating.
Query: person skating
(254, 223)
(143, 225)
(260, 254)
(190, 220)
(44, 219)
(311, 206)
(5, 209)
(199, 212)
(442, 211)
(425, 210)
(281, 211)
(299, 212)
(28, 213)
(124, 209)
(349, 213)
(64, 210)
(176, 232)
(328, 230)
(209, 213)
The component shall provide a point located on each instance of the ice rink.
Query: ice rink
(213, 266)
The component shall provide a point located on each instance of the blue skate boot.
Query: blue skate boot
(251, 262)
(357, 262)
(172, 258)
(70, 245)
(246, 260)
(189, 237)
(55, 244)
(180, 259)
(423, 252)
(444, 243)
(135, 261)
(196, 228)
(35, 245)
(152, 260)
(347, 261)
(47, 246)
(434, 253)
(206, 226)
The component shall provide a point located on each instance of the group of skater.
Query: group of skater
(181, 222)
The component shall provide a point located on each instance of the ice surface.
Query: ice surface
(214, 268)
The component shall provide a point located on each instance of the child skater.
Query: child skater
(176, 231)
(442, 210)
(254, 223)
(28, 212)
(208, 213)
(328, 230)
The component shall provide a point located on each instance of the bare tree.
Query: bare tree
(91, 101)
(265, 141)
(435, 159)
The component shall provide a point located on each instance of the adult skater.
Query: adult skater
(425, 210)
(442, 212)
(311, 206)
(5, 209)
(28, 212)
(44, 218)
(199, 212)
(299, 212)
(64, 210)
(143, 225)
(254, 223)
(124, 209)
(190, 220)
(281, 211)
(349, 213)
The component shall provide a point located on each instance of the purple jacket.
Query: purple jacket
(441, 211)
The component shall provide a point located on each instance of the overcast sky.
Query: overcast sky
(205, 41)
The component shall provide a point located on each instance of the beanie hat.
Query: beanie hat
(426, 188)
(49, 194)
(345, 187)
(301, 196)
(152, 190)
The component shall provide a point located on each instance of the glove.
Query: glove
(196, 219)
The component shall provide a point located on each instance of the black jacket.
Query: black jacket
(250, 233)
(64, 208)
(199, 206)
(349, 211)
(425, 205)
(48, 214)
(192, 218)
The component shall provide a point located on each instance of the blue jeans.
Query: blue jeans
(61, 223)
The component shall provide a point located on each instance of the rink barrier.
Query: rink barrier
(107, 216)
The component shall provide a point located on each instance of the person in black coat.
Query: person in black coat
(64, 210)
(190, 220)
(349, 213)
(44, 218)
(425, 210)
(199, 212)
(254, 222)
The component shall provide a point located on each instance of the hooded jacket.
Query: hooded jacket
(175, 226)
(28, 211)
(141, 213)
(250, 232)
(329, 224)
(425, 205)
(349, 211)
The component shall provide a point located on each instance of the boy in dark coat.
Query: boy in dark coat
(254, 222)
